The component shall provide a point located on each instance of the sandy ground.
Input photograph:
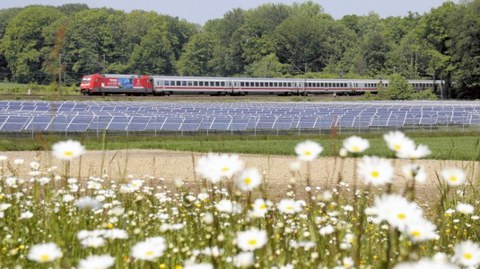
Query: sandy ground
(171, 165)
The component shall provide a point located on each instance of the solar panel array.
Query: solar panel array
(81, 116)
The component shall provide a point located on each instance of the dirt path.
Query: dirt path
(172, 165)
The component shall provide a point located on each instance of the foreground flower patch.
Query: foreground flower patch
(50, 219)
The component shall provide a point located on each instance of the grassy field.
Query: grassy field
(452, 146)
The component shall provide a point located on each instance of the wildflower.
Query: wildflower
(244, 260)
(412, 152)
(415, 172)
(375, 170)
(260, 208)
(453, 176)
(68, 150)
(397, 141)
(251, 239)
(295, 166)
(147, 250)
(198, 266)
(343, 152)
(465, 208)
(18, 161)
(92, 242)
(88, 203)
(397, 210)
(421, 230)
(42, 253)
(248, 179)
(288, 206)
(308, 150)
(467, 253)
(214, 167)
(97, 262)
(425, 264)
(327, 230)
(355, 144)
(227, 206)
(26, 215)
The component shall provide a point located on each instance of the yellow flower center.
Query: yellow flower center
(468, 256)
(263, 206)
(415, 234)
(247, 181)
(397, 147)
(355, 149)
(375, 174)
(68, 153)
(289, 207)
(453, 179)
(225, 169)
(401, 216)
(149, 253)
(252, 242)
(45, 258)
(308, 153)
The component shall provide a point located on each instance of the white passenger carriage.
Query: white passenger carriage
(166, 85)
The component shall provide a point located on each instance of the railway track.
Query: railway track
(172, 98)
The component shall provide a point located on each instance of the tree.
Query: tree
(5, 16)
(154, 54)
(399, 88)
(267, 67)
(24, 45)
(197, 57)
(465, 50)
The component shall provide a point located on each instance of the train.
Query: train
(107, 84)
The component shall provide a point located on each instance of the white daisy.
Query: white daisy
(96, 262)
(215, 167)
(244, 260)
(414, 171)
(397, 141)
(197, 266)
(147, 250)
(43, 253)
(465, 208)
(248, 179)
(397, 210)
(289, 206)
(453, 176)
(425, 264)
(68, 150)
(421, 230)
(251, 239)
(375, 170)
(355, 144)
(467, 253)
(412, 152)
(227, 206)
(88, 202)
(260, 208)
(308, 150)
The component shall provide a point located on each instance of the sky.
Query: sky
(200, 11)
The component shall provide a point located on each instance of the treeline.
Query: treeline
(42, 43)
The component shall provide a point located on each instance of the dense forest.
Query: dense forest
(43, 43)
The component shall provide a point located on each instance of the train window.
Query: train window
(217, 83)
(184, 83)
(200, 83)
(195, 83)
(275, 84)
(242, 84)
(261, 84)
(270, 84)
(256, 84)
(222, 83)
(190, 83)
(167, 83)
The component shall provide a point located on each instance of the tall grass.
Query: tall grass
(326, 226)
